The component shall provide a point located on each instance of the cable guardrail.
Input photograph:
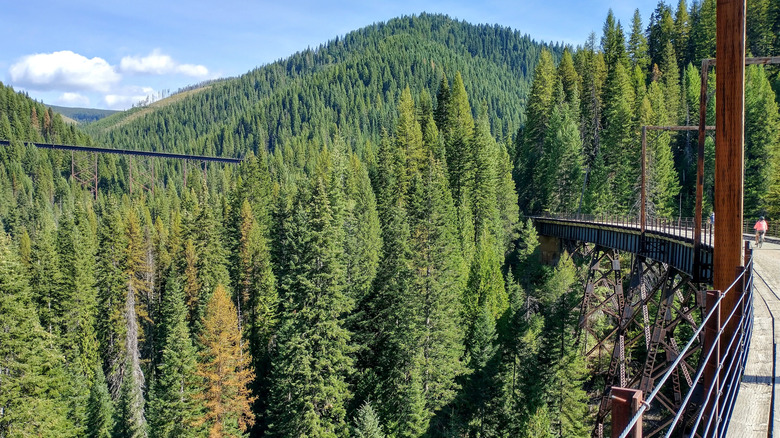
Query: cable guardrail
(729, 375)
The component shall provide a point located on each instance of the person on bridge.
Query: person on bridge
(760, 227)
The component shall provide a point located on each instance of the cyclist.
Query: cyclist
(760, 228)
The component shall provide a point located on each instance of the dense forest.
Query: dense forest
(368, 269)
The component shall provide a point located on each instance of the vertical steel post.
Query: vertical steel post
(625, 404)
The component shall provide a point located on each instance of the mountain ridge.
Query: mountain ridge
(349, 85)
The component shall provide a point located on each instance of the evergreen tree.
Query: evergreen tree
(486, 283)
(540, 103)
(637, 44)
(539, 424)
(682, 31)
(482, 388)
(76, 255)
(367, 423)
(759, 37)
(112, 290)
(561, 367)
(661, 31)
(172, 405)
(100, 410)
(459, 126)
(620, 145)
(46, 278)
(31, 401)
(662, 182)
(670, 77)
(308, 381)
(762, 137)
(437, 283)
(702, 38)
(484, 180)
(560, 166)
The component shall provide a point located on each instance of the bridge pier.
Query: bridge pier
(550, 248)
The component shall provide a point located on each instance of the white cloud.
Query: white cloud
(157, 63)
(130, 97)
(73, 99)
(64, 70)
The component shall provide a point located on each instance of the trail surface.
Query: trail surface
(752, 411)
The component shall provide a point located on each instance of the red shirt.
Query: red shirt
(760, 226)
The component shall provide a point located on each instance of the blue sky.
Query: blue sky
(114, 53)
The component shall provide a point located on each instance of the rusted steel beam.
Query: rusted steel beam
(625, 403)
(677, 128)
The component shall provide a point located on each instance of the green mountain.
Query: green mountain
(82, 115)
(350, 85)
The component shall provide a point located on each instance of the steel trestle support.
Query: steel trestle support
(624, 345)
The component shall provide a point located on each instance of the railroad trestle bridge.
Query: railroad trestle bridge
(648, 332)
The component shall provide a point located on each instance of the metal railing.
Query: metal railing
(716, 401)
(684, 227)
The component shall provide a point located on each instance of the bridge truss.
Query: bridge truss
(631, 332)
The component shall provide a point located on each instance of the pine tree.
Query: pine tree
(762, 137)
(361, 230)
(438, 280)
(561, 368)
(559, 180)
(459, 126)
(671, 82)
(46, 278)
(483, 190)
(570, 82)
(539, 424)
(32, 400)
(100, 410)
(620, 145)
(112, 290)
(224, 368)
(172, 405)
(662, 182)
(540, 102)
(637, 44)
(591, 66)
(367, 423)
(308, 381)
(486, 283)
(661, 31)
(482, 386)
(76, 255)
(702, 38)
(682, 31)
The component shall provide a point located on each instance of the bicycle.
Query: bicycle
(759, 239)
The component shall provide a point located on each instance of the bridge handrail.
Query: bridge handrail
(746, 317)
(679, 227)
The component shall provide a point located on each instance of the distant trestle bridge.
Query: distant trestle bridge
(84, 164)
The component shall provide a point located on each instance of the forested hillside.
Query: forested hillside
(350, 85)
(367, 270)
